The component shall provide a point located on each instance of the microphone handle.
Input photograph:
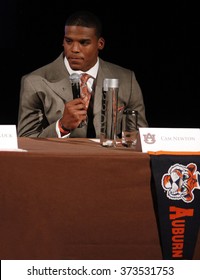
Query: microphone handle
(76, 90)
(76, 94)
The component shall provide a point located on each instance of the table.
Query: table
(73, 199)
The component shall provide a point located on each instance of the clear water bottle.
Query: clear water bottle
(108, 133)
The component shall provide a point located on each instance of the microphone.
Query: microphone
(75, 82)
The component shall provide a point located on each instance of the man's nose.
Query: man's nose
(75, 47)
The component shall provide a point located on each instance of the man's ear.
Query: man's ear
(101, 43)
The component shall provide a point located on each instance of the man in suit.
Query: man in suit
(47, 107)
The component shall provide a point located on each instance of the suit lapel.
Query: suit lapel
(62, 88)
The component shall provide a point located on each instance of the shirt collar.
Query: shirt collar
(92, 71)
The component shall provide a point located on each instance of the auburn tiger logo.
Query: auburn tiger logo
(180, 182)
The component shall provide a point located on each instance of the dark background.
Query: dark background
(159, 41)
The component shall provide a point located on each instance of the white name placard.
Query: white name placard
(8, 137)
(170, 139)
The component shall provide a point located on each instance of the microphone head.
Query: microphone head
(74, 78)
(75, 84)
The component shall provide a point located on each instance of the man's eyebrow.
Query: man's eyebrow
(85, 39)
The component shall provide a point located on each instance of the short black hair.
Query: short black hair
(85, 19)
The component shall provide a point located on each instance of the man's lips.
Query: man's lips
(74, 58)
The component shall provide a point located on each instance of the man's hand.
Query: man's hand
(74, 113)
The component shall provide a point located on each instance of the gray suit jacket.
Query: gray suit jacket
(45, 90)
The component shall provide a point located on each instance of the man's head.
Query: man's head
(82, 40)
(85, 19)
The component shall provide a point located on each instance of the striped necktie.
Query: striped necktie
(88, 96)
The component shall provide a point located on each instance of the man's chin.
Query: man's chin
(75, 68)
(75, 65)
